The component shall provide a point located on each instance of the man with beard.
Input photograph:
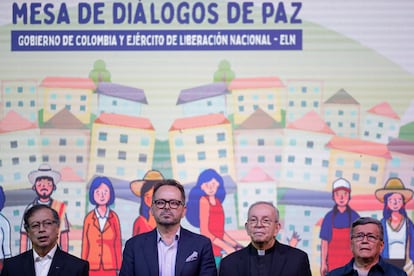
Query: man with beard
(265, 255)
(169, 249)
(44, 182)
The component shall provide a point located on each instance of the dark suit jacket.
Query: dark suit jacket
(63, 264)
(194, 255)
(287, 261)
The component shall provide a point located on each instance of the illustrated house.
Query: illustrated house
(121, 146)
(258, 142)
(203, 100)
(201, 142)
(381, 124)
(19, 144)
(249, 94)
(342, 114)
(305, 157)
(255, 186)
(401, 164)
(120, 99)
(20, 96)
(74, 94)
(303, 96)
(361, 162)
(65, 142)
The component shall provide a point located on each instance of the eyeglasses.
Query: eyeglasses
(264, 221)
(361, 236)
(46, 224)
(173, 203)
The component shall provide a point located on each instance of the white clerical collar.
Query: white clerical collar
(49, 255)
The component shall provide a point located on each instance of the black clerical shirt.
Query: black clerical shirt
(261, 261)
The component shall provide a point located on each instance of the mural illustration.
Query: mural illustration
(204, 210)
(44, 182)
(5, 237)
(398, 226)
(246, 101)
(144, 189)
(335, 229)
(101, 238)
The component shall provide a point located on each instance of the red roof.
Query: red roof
(257, 175)
(68, 174)
(66, 82)
(311, 121)
(384, 109)
(359, 146)
(14, 122)
(262, 82)
(199, 121)
(124, 121)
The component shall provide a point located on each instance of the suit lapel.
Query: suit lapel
(28, 264)
(151, 244)
(181, 252)
(57, 265)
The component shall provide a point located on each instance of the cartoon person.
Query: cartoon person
(335, 228)
(101, 238)
(144, 188)
(398, 227)
(204, 210)
(44, 182)
(5, 236)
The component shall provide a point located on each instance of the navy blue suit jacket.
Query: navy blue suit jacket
(63, 264)
(194, 255)
(287, 261)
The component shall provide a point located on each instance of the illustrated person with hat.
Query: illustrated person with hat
(44, 182)
(398, 227)
(335, 228)
(144, 189)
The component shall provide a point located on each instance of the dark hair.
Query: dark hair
(96, 183)
(369, 220)
(144, 209)
(387, 212)
(2, 198)
(193, 204)
(170, 182)
(32, 210)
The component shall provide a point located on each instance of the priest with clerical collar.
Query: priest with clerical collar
(265, 256)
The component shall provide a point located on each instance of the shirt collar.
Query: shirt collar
(99, 216)
(177, 235)
(49, 255)
(349, 267)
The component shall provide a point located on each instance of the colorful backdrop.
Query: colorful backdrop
(274, 101)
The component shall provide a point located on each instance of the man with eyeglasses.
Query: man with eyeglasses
(264, 255)
(45, 258)
(169, 249)
(367, 242)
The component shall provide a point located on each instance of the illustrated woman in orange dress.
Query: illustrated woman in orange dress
(101, 239)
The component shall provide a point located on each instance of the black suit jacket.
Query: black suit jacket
(63, 264)
(287, 261)
(194, 255)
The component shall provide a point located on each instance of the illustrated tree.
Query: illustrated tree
(99, 73)
(224, 72)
